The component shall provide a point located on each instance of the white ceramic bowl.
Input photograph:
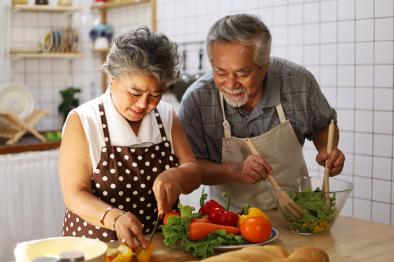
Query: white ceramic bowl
(93, 250)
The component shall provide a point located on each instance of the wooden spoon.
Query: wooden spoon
(284, 201)
(326, 184)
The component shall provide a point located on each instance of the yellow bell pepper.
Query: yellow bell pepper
(253, 212)
(120, 254)
(144, 254)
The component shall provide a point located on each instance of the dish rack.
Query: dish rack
(14, 128)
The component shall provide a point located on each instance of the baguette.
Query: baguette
(308, 254)
(267, 253)
(271, 253)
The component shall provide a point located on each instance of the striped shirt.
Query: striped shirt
(287, 83)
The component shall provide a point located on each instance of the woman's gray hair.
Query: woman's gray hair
(143, 51)
(246, 29)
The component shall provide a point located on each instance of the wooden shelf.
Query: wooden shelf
(26, 146)
(100, 51)
(17, 55)
(44, 8)
(115, 4)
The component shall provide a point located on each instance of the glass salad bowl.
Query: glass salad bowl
(320, 209)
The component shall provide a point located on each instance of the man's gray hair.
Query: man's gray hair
(143, 51)
(246, 29)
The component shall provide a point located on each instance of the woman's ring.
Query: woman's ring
(124, 240)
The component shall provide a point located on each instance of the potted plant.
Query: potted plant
(69, 101)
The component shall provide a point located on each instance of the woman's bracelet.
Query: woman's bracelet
(102, 216)
(117, 217)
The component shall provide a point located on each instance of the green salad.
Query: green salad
(176, 230)
(318, 216)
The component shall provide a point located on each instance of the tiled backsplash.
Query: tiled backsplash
(346, 44)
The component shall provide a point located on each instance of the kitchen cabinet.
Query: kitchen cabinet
(31, 204)
(104, 8)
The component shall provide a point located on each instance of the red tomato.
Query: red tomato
(256, 229)
(169, 214)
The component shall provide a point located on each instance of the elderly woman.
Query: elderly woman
(124, 158)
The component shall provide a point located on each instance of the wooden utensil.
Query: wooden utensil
(326, 184)
(284, 201)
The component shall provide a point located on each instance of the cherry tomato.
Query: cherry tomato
(256, 229)
(169, 214)
(201, 219)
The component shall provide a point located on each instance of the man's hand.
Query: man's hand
(336, 160)
(253, 169)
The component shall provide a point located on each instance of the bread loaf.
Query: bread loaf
(308, 254)
(271, 253)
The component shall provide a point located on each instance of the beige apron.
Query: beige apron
(279, 147)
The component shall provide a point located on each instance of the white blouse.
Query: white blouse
(120, 132)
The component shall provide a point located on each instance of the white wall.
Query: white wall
(347, 44)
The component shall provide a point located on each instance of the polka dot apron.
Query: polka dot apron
(124, 178)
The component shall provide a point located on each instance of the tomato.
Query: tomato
(256, 229)
(201, 219)
(169, 214)
(121, 254)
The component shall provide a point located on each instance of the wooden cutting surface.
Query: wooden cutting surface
(350, 240)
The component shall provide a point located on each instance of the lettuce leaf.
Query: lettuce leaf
(176, 230)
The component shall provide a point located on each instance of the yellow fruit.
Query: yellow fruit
(122, 253)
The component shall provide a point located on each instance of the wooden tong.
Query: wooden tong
(326, 183)
(284, 201)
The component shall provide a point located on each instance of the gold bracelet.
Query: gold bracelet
(102, 216)
(116, 218)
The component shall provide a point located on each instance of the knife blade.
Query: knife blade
(154, 230)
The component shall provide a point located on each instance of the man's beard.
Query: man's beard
(237, 101)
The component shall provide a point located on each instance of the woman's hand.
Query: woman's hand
(253, 169)
(167, 189)
(335, 160)
(129, 230)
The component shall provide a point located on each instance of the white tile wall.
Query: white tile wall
(347, 44)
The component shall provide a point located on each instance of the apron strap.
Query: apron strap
(104, 125)
(281, 113)
(160, 124)
(226, 124)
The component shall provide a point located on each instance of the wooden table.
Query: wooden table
(349, 239)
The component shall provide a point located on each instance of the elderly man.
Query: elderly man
(249, 94)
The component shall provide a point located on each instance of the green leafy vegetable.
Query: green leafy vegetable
(318, 217)
(176, 230)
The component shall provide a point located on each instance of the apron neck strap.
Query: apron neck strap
(104, 124)
(281, 113)
(226, 124)
(160, 124)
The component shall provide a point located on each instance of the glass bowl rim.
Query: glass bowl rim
(349, 185)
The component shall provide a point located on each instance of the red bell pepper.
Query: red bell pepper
(210, 204)
(223, 216)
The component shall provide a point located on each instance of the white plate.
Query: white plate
(274, 235)
(16, 99)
